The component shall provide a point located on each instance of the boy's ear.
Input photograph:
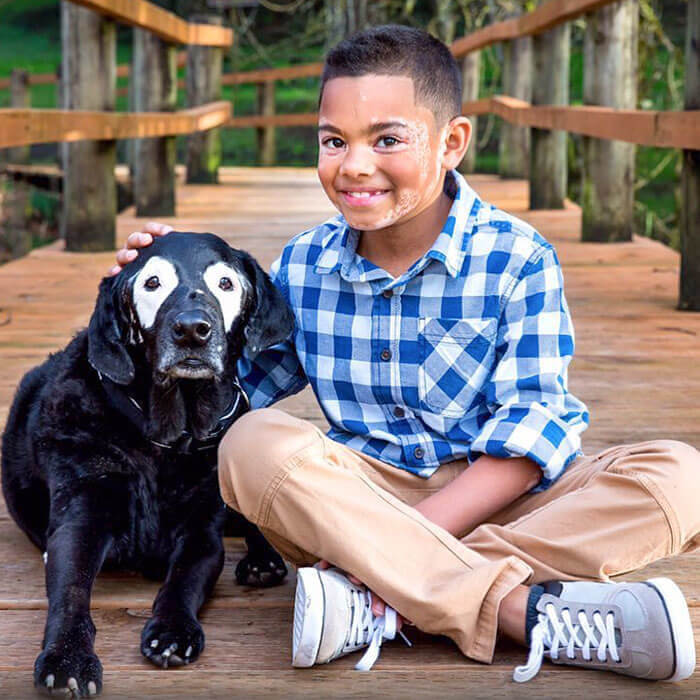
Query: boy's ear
(106, 348)
(271, 320)
(457, 139)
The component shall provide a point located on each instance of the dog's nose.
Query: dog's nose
(191, 328)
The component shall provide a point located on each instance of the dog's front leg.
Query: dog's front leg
(75, 552)
(173, 636)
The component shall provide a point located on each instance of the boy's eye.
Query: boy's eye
(334, 142)
(387, 141)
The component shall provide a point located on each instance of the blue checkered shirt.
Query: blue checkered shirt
(464, 354)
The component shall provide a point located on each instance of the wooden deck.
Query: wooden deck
(637, 367)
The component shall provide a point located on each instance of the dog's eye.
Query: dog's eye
(225, 284)
(152, 283)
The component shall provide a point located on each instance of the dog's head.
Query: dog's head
(188, 302)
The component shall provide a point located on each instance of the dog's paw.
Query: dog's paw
(261, 569)
(75, 673)
(172, 641)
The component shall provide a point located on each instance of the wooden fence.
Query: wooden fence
(88, 128)
(610, 122)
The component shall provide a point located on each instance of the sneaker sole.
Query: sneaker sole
(681, 627)
(309, 612)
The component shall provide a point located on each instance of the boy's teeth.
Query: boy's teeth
(362, 194)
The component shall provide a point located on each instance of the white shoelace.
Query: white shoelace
(552, 632)
(368, 629)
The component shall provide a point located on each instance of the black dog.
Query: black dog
(109, 454)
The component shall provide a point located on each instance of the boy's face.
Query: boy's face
(380, 154)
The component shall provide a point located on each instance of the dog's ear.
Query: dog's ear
(106, 347)
(271, 320)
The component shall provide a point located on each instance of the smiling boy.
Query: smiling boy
(435, 333)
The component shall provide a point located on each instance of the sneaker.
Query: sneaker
(333, 617)
(637, 629)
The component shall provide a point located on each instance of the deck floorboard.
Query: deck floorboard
(637, 367)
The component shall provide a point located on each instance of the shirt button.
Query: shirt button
(387, 294)
(418, 453)
(386, 354)
(399, 412)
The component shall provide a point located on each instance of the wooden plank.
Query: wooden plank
(22, 580)
(545, 17)
(245, 640)
(646, 128)
(680, 129)
(304, 119)
(479, 681)
(24, 126)
(164, 24)
(123, 71)
(265, 75)
(622, 292)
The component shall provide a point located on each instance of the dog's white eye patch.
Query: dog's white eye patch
(226, 285)
(152, 286)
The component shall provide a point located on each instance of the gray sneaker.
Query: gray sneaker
(333, 617)
(637, 629)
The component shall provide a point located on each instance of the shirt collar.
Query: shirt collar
(340, 243)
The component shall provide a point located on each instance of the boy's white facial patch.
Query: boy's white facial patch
(230, 300)
(148, 299)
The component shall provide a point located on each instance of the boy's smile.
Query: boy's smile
(382, 158)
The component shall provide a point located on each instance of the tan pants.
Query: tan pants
(314, 498)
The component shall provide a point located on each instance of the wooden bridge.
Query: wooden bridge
(637, 364)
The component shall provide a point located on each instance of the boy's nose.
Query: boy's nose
(357, 162)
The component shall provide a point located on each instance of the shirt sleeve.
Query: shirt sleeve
(276, 372)
(532, 413)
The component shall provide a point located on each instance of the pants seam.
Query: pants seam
(657, 494)
(280, 477)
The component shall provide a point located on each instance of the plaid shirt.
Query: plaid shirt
(464, 354)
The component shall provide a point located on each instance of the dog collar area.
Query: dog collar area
(186, 443)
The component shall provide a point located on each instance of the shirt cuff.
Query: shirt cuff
(535, 432)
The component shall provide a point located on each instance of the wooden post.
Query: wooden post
(20, 99)
(610, 80)
(548, 174)
(266, 134)
(471, 71)
(17, 240)
(155, 90)
(690, 183)
(514, 142)
(88, 71)
(203, 85)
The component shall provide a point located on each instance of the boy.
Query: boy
(435, 333)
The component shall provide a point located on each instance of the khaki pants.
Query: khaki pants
(314, 498)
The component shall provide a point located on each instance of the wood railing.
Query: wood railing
(542, 117)
(91, 128)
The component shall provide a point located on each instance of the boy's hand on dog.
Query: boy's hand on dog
(139, 239)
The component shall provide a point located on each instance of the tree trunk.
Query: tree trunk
(88, 81)
(610, 80)
(514, 142)
(155, 90)
(203, 86)
(19, 99)
(343, 18)
(690, 184)
(471, 70)
(548, 174)
(266, 134)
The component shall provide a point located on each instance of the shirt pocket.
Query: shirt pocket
(455, 361)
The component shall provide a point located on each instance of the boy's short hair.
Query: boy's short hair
(394, 49)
